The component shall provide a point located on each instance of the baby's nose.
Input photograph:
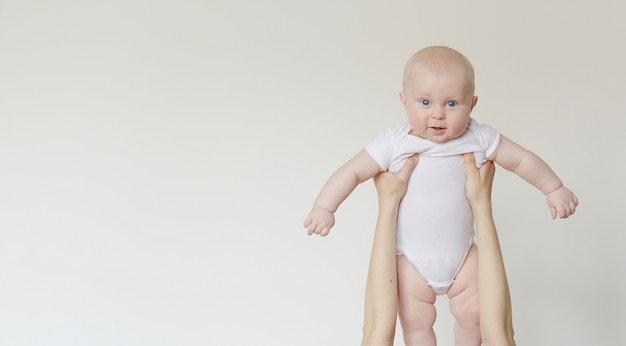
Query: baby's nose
(439, 113)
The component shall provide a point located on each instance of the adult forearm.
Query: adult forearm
(483, 218)
(381, 281)
(495, 312)
(381, 288)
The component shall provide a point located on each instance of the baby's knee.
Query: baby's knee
(465, 312)
(422, 318)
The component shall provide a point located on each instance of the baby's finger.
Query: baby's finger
(564, 211)
(573, 206)
(324, 231)
(314, 228)
(553, 212)
(567, 211)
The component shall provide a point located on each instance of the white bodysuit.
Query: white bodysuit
(435, 223)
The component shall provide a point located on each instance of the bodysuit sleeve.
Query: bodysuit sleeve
(383, 147)
(487, 135)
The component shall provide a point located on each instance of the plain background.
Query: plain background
(157, 160)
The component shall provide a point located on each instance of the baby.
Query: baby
(435, 233)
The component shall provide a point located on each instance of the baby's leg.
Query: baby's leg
(415, 305)
(463, 296)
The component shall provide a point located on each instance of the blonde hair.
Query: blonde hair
(438, 59)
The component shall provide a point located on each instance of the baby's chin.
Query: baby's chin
(435, 136)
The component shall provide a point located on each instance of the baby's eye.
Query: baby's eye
(451, 103)
(425, 102)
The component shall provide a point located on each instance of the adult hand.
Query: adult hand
(392, 186)
(478, 181)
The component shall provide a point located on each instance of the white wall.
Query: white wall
(157, 159)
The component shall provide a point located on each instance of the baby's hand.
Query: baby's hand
(562, 202)
(319, 221)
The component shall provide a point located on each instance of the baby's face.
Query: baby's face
(438, 104)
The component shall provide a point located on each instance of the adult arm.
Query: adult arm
(496, 322)
(381, 291)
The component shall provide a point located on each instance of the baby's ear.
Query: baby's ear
(402, 99)
(474, 101)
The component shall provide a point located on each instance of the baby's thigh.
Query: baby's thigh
(463, 293)
(411, 283)
(415, 298)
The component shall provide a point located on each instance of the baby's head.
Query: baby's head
(438, 93)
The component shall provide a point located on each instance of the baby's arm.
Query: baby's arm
(338, 187)
(533, 169)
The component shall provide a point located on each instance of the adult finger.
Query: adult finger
(487, 170)
(409, 166)
(470, 164)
